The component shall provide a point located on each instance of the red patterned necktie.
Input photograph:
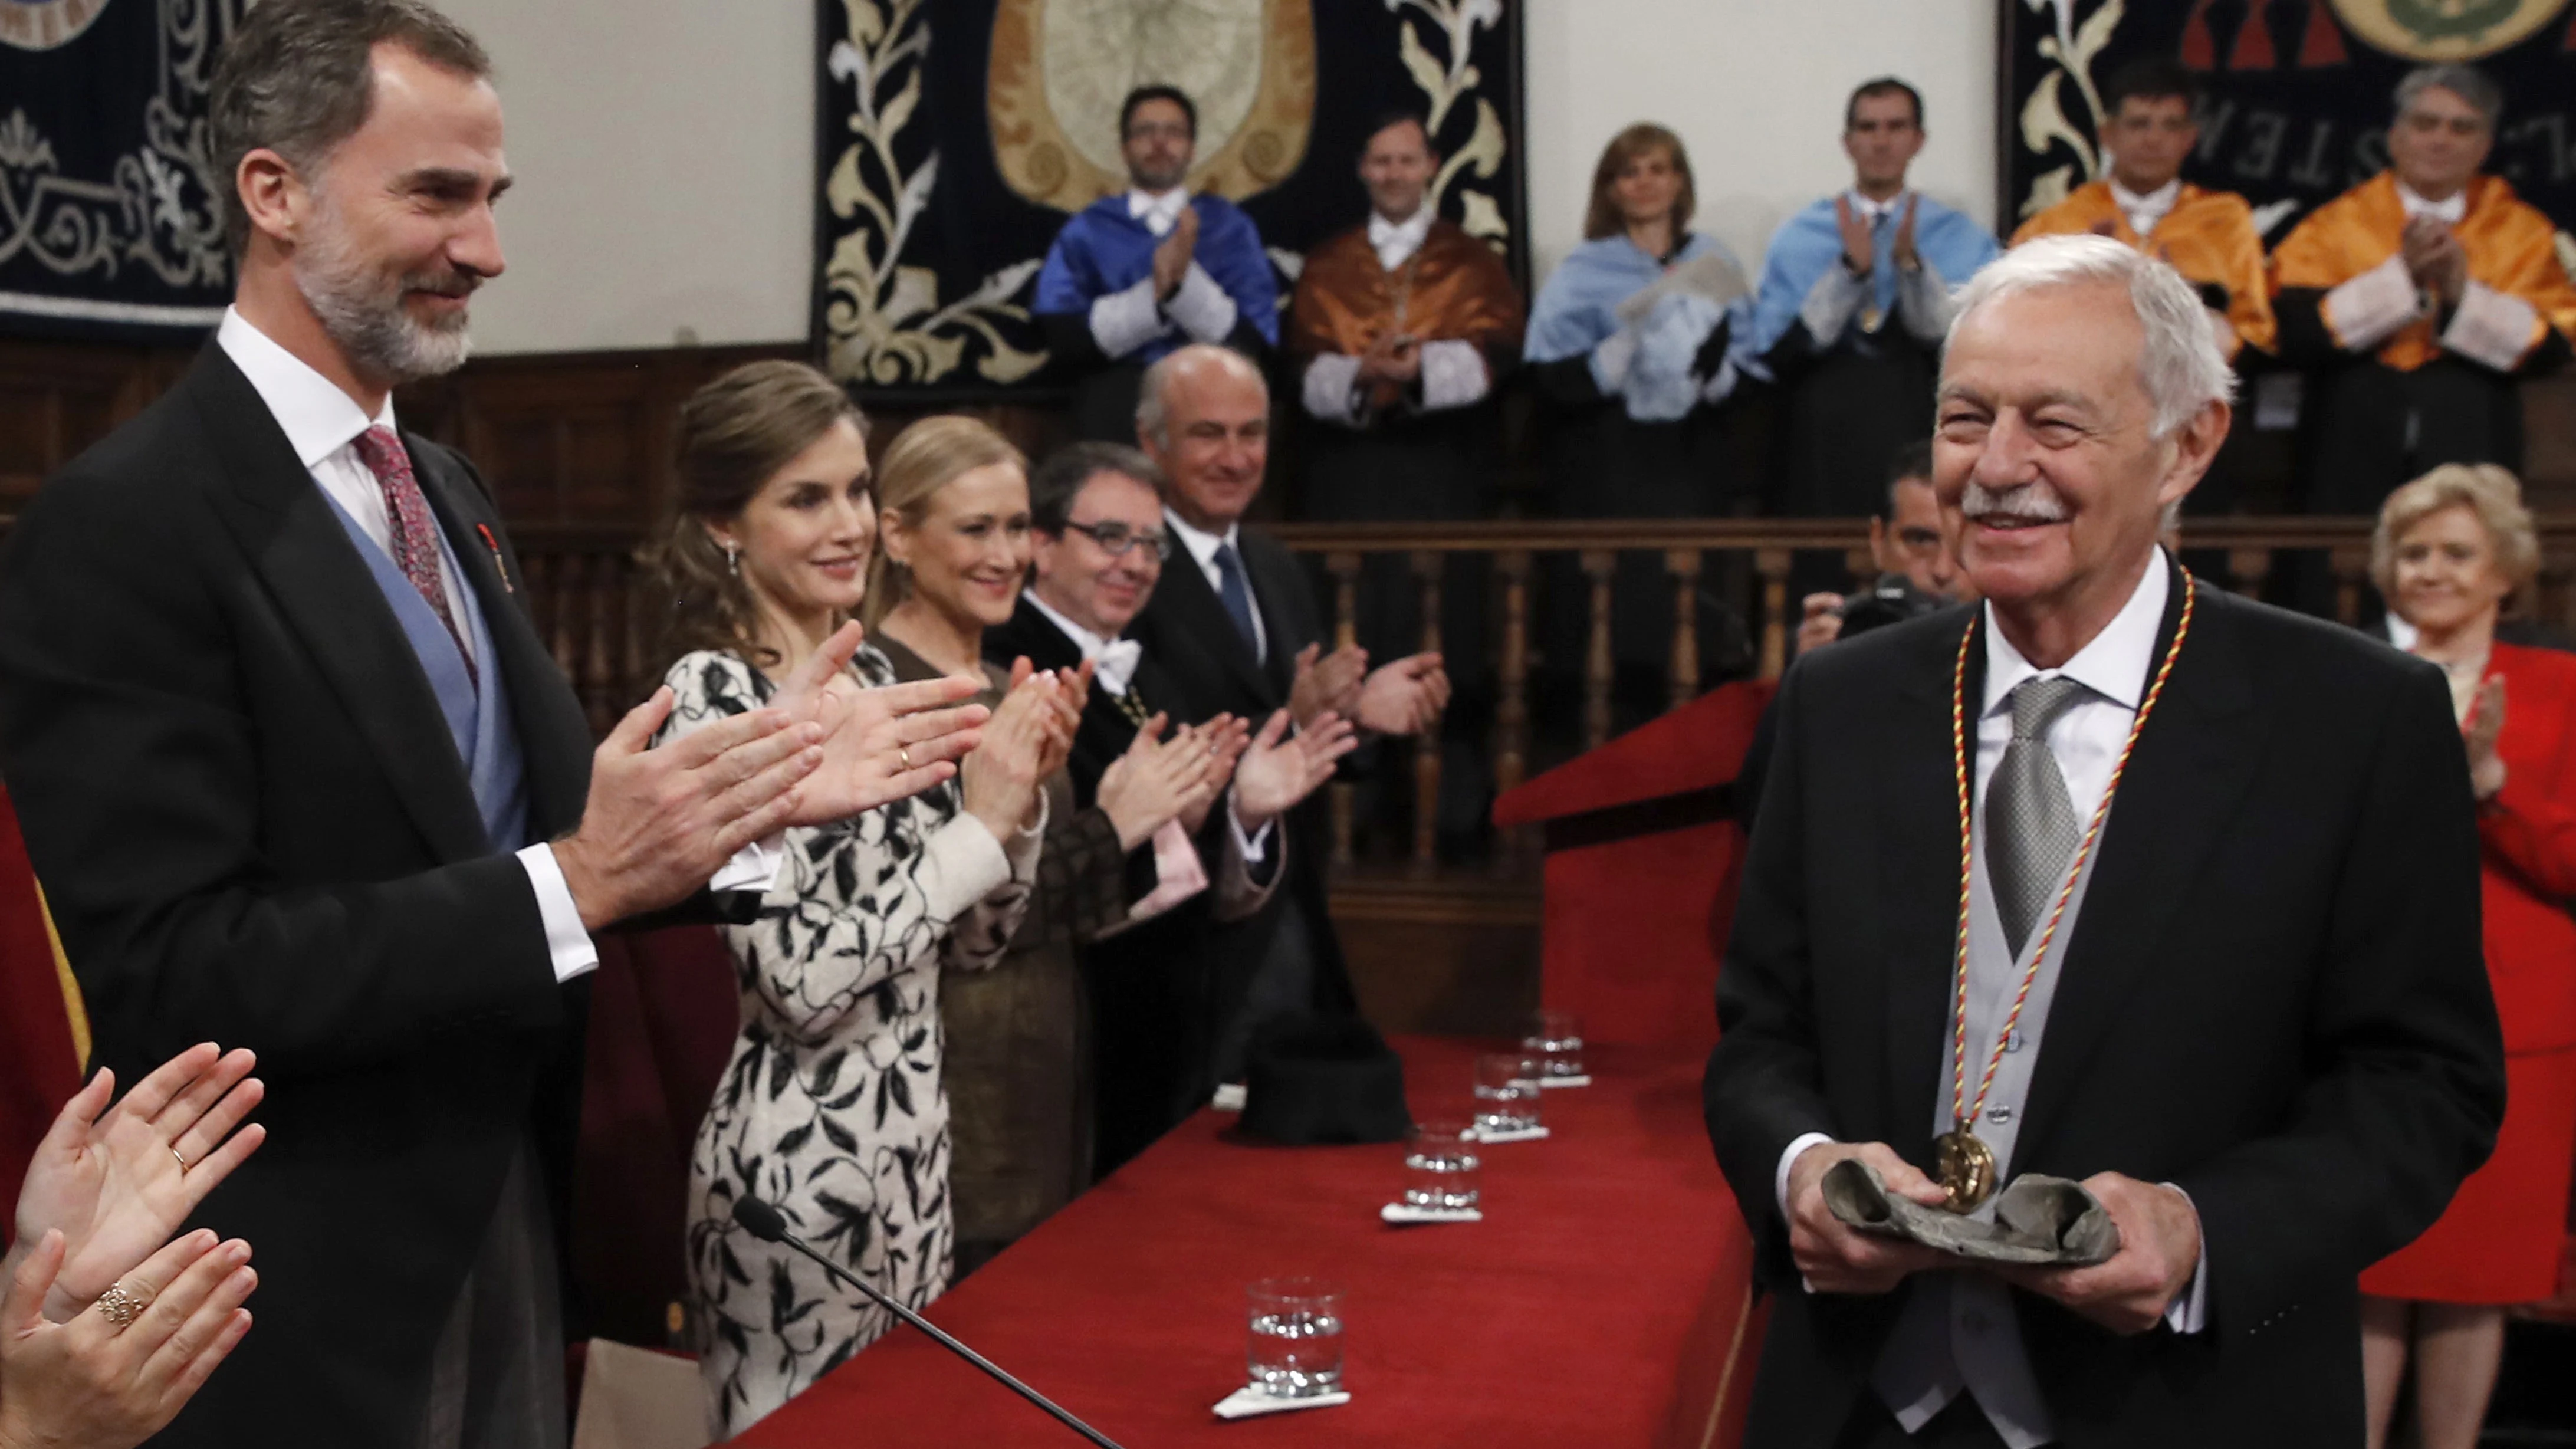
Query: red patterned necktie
(413, 534)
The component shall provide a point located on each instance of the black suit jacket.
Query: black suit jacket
(1186, 630)
(254, 828)
(2272, 997)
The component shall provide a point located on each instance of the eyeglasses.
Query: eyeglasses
(1116, 538)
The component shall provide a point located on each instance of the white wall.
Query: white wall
(1755, 88)
(665, 148)
(665, 159)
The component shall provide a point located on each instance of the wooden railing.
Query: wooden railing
(594, 606)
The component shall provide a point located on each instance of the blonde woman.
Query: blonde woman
(2451, 547)
(833, 1107)
(954, 552)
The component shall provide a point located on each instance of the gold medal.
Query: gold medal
(1870, 317)
(1965, 1167)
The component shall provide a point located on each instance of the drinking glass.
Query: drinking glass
(1440, 1168)
(1295, 1350)
(1506, 1093)
(1556, 1039)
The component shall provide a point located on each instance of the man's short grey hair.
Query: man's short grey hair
(2465, 81)
(298, 78)
(2178, 362)
(1153, 410)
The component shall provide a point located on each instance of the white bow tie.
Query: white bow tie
(1159, 213)
(1115, 665)
(1396, 242)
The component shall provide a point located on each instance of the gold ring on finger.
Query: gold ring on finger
(121, 1305)
(175, 1157)
(904, 753)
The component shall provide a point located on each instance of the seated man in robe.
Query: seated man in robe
(2208, 236)
(2419, 300)
(1851, 309)
(1403, 326)
(1133, 277)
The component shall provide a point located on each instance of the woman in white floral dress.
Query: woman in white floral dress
(832, 1107)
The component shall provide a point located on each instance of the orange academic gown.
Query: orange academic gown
(2209, 237)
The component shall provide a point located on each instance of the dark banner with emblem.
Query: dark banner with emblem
(2299, 92)
(957, 138)
(109, 222)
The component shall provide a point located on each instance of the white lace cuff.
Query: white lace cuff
(1923, 300)
(1453, 375)
(1331, 392)
(1201, 307)
(1830, 304)
(2496, 328)
(1611, 360)
(2363, 312)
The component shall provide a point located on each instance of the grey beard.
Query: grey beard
(366, 318)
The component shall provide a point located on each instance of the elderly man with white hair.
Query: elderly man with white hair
(2113, 877)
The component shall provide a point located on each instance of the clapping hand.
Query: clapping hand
(1902, 250)
(2435, 258)
(1327, 682)
(1173, 254)
(1223, 740)
(2485, 724)
(99, 1384)
(1153, 782)
(117, 1186)
(879, 744)
(1278, 771)
(1402, 698)
(1820, 622)
(1860, 251)
(1001, 778)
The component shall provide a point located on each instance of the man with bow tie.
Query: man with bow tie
(1401, 329)
(1850, 313)
(1134, 276)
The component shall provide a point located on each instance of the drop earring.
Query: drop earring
(733, 558)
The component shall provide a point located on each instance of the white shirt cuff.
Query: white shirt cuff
(1121, 322)
(1201, 307)
(2365, 311)
(1331, 388)
(1612, 359)
(2189, 1312)
(1923, 300)
(1789, 1159)
(566, 941)
(1253, 846)
(1453, 374)
(755, 867)
(2492, 327)
(1831, 302)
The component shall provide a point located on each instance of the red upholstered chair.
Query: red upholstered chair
(42, 1037)
(1642, 858)
(662, 1024)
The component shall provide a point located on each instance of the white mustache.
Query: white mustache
(2035, 502)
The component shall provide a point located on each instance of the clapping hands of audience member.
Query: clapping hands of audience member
(1901, 250)
(1223, 739)
(2435, 258)
(1279, 770)
(1820, 621)
(1154, 782)
(119, 1370)
(880, 744)
(1172, 256)
(1860, 251)
(2485, 724)
(1327, 682)
(1027, 740)
(1402, 698)
(116, 1186)
(103, 1192)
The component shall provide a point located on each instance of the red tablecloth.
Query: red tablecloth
(1602, 1301)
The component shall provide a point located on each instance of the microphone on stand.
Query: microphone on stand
(765, 1222)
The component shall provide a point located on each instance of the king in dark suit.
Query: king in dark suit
(298, 775)
(2115, 878)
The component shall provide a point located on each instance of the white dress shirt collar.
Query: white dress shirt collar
(1397, 241)
(1201, 543)
(2113, 664)
(2144, 211)
(1113, 660)
(1160, 212)
(2452, 210)
(1877, 211)
(318, 418)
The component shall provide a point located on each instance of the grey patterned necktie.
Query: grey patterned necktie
(2031, 829)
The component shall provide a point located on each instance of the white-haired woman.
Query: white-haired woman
(2450, 548)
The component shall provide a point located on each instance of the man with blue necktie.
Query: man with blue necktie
(1135, 276)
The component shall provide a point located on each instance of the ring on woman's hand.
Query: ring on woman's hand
(175, 1157)
(121, 1305)
(904, 753)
